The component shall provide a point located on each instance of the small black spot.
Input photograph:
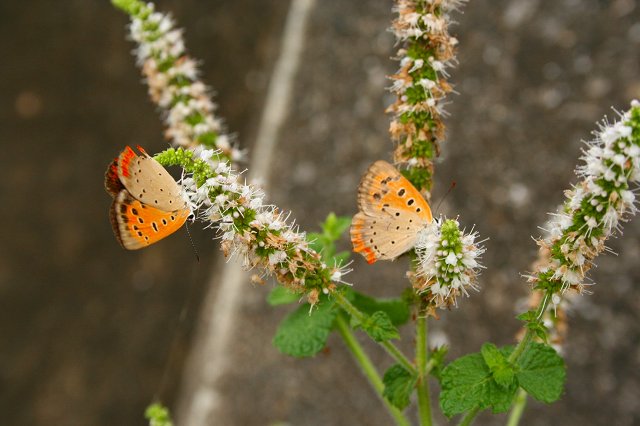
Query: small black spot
(375, 247)
(139, 233)
(161, 190)
(173, 217)
(155, 226)
(371, 241)
(164, 221)
(134, 212)
(397, 228)
(410, 202)
(410, 220)
(140, 196)
(155, 201)
(146, 238)
(374, 222)
(170, 201)
(376, 196)
(140, 220)
(143, 206)
(159, 174)
(385, 205)
(137, 180)
(135, 227)
(144, 190)
(375, 233)
(397, 214)
(418, 210)
(393, 242)
(401, 192)
(123, 208)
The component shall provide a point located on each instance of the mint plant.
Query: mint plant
(445, 262)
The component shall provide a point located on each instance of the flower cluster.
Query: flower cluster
(256, 233)
(594, 208)
(172, 77)
(420, 84)
(447, 264)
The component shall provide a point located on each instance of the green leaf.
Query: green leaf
(282, 296)
(379, 327)
(398, 386)
(396, 309)
(541, 372)
(334, 226)
(341, 258)
(158, 415)
(303, 333)
(468, 382)
(501, 370)
(436, 358)
(316, 241)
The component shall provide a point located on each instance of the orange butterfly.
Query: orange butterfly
(392, 211)
(147, 202)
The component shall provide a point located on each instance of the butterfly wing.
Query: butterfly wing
(111, 180)
(137, 225)
(392, 211)
(149, 182)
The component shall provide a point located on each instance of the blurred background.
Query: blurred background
(87, 328)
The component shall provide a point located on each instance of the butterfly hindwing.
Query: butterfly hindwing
(392, 211)
(137, 225)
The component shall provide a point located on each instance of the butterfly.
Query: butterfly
(147, 202)
(392, 211)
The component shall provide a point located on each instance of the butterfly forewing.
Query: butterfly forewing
(392, 211)
(148, 181)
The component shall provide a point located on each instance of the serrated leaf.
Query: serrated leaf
(398, 386)
(397, 309)
(501, 371)
(303, 334)
(468, 382)
(379, 327)
(541, 372)
(281, 296)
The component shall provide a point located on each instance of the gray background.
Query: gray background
(86, 328)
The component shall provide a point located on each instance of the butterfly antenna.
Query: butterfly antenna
(195, 250)
(453, 185)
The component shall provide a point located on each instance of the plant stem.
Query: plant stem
(517, 408)
(367, 368)
(528, 335)
(424, 399)
(388, 346)
(468, 418)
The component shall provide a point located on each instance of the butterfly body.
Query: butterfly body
(147, 202)
(392, 212)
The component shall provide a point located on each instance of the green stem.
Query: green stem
(424, 399)
(131, 7)
(388, 346)
(367, 368)
(529, 334)
(518, 408)
(468, 418)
